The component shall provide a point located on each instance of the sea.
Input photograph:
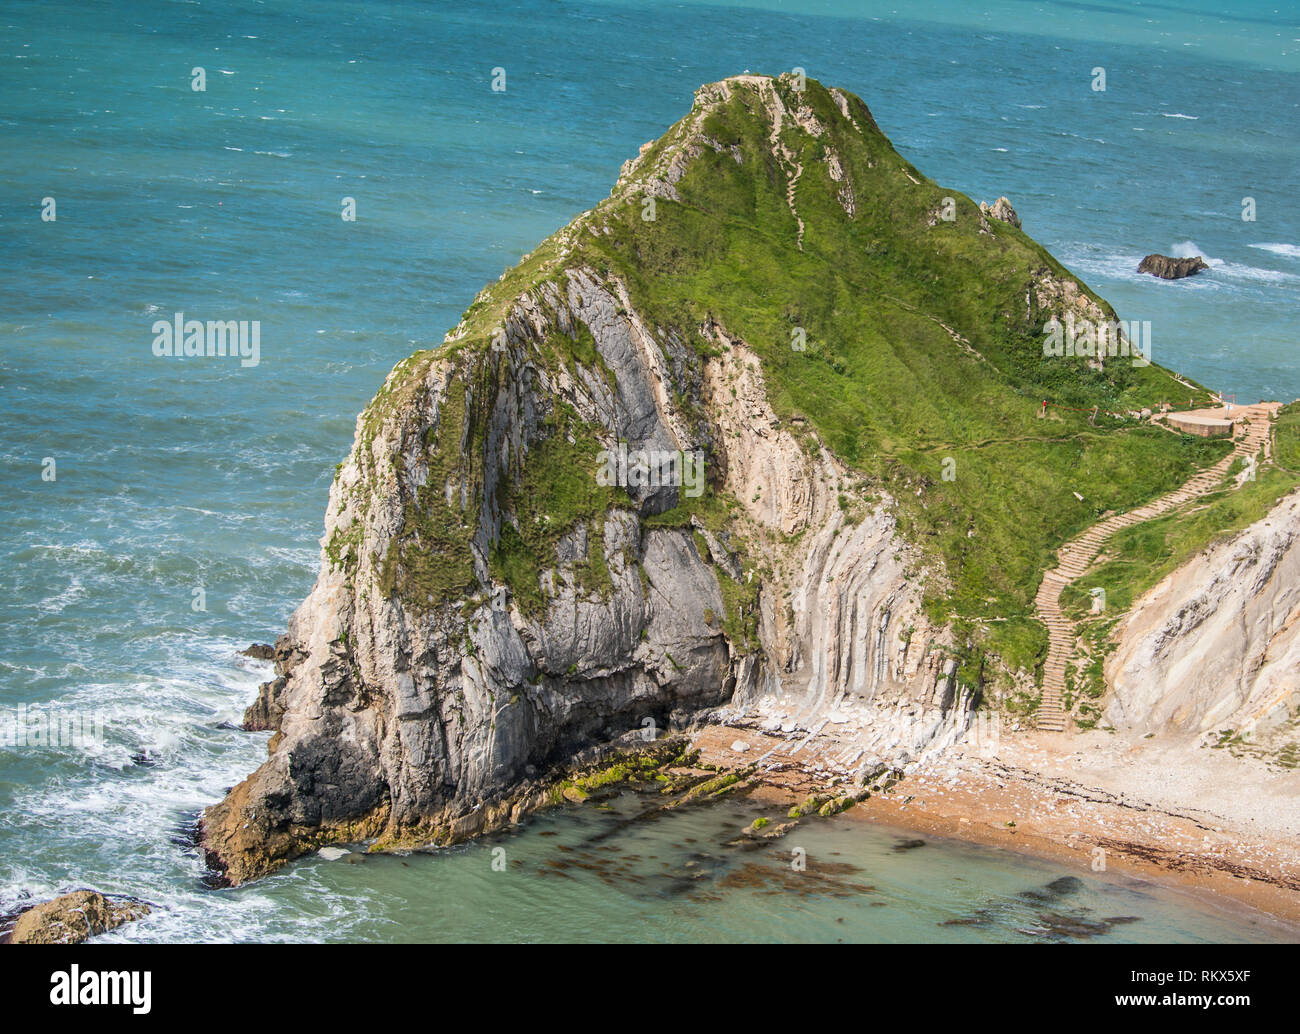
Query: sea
(160, 514)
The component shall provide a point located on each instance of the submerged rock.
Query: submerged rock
(1064, 885)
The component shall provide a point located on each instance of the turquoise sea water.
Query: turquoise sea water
(176, 476)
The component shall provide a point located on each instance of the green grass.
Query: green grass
(1140, 556)
(429, 562)
(554, 489)
(881, 382)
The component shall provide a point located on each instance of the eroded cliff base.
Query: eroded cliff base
(242, 842)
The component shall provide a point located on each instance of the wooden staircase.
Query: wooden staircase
(1077, 555)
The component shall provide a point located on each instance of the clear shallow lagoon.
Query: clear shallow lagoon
(176, 475)
(605, 872)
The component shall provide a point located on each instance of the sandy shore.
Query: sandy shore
(1091, 801)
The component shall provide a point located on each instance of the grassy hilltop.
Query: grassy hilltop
(923, 354)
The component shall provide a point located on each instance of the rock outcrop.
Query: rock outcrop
(417, 715)
(842, 621)
(1216, 644)
(1001, 210)
(415, 724)
(74, 917)
(1172, 268)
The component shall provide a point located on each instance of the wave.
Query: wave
(56, 604)
(1237, 270)
(1285, 250)
(1090, 260)
(1267, 276)
(169, 746)
(1189, 249)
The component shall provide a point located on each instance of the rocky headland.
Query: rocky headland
(855, 355)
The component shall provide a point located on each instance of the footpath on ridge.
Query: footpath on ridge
(1250, 432)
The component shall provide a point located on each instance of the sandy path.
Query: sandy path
(1077, 555)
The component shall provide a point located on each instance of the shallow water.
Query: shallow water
(606, 872)
(180, 476)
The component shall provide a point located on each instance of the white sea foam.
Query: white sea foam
(1235, 270)
(73, 593)
(1267, 276)
(1189, 249)
(1285, 250)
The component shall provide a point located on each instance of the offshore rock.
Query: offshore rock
(1172, 268)
(73, 918)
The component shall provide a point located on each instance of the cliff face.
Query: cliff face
(760, 309)
(406, 711)
(435, 711)
(1216, 644)
(841, 615)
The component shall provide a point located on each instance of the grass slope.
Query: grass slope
(879, 294)
(882, 380)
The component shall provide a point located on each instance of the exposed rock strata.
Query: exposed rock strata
(1216, 645)
(417, 723)
(424, 693)
(414, 727)
(842, 624)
